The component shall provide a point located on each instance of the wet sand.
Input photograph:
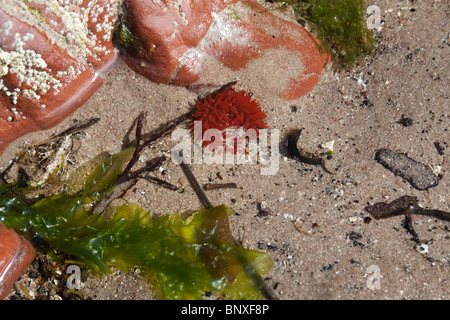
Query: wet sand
(359, 110)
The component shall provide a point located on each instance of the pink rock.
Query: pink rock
(41, 83)
(165, 30)
(3, 147)
(200, 43)
(92, 39)
(46, 76)
(16, 254)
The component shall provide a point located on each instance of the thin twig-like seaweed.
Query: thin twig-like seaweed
(405, 205)
(143, 142)
(214, 186)
(74, 129)
(401, 206)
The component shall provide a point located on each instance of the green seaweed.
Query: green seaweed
(184, 256)
(123, 37)
(339, 25)
(35, 12)
(233, 14)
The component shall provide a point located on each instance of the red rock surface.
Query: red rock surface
(16, 254)
(50, 69)
(92, 39)
(34, 59)
(165, 30)
(198, 36)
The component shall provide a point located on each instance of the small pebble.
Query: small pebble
(419, 175)
(423, 248)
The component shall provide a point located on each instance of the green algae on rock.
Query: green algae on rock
(185, 257)
(339, 25)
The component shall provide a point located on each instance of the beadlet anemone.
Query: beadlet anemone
(228, 109)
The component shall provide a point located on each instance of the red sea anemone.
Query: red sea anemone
(228, 109)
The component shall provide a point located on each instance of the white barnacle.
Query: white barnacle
(29, 67)
(3, 70)
(71, 71)
(76, 30)
(8, 26)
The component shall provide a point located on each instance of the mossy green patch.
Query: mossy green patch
(123, 38)
(339, 25)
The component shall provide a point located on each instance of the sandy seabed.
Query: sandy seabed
(359, 110)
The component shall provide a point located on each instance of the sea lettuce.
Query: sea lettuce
(186, 257)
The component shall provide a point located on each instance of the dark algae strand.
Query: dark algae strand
(404, 205)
